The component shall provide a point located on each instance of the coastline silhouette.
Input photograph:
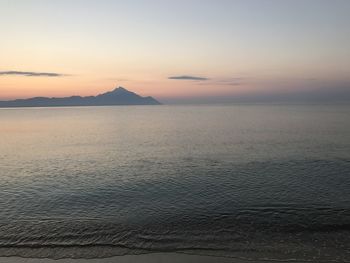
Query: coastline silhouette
(118, 96)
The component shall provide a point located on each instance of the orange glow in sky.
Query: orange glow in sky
(229, 47)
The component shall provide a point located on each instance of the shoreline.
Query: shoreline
(145, 258)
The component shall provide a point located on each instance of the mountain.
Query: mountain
(118, 96)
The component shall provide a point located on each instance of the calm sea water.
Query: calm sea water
(248, 181)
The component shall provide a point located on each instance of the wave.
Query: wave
(306, 233)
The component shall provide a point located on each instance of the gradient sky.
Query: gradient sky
(176, 51)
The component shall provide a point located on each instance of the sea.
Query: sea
(249, 181)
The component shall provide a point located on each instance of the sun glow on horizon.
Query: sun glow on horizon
(171, 50)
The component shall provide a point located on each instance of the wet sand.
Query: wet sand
(147, 258)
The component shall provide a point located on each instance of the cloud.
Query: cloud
(235, 81)
(232, 81)
(31, 74)
(185, 77)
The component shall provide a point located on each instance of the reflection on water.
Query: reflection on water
(253, 181)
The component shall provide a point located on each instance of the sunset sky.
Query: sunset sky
(177, 51)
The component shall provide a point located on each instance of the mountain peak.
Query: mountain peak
(118, 96)
(120, 89)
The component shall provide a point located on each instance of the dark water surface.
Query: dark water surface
(248, 181)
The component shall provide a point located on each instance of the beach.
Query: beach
(146, 258)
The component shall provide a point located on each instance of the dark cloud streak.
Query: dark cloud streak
(31, 74)
(185, 77)
(236, 81)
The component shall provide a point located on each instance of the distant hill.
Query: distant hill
(118, 96)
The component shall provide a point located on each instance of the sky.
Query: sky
(183, 51)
